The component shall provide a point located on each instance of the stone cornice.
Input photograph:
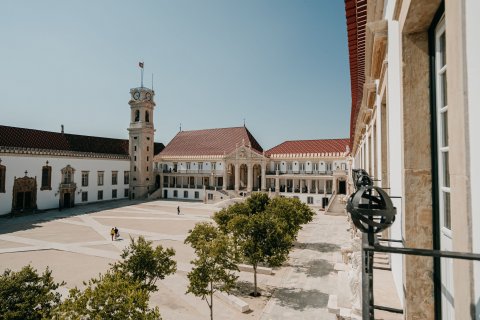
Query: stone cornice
(61, 153)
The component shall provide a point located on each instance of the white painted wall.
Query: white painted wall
(17, 164)
(181, 196)
(472, 26)
(395, 134)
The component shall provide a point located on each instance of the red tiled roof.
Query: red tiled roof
(310, 146)
(210, 142)
(37, 139)
(356, 14)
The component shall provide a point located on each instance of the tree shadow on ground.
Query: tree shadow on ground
(319, 246)
(244, 288)
(301, 299)
(318, 268)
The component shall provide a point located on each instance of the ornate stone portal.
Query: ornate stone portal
(24, 194)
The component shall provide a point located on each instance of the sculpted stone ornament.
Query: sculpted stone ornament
(355, 274)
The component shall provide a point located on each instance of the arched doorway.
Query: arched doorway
(342, 187)
(67, 188)
(243, 176)
(230, 183)
(24, 194)
(257, 177)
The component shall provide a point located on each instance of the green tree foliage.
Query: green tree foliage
(146, 264)
(114, 296)
(264, 229)
(292, 211)
(214, 268)
(27, 295)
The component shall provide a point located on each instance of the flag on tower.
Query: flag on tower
(140, 64)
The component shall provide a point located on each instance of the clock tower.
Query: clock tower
(141, 144)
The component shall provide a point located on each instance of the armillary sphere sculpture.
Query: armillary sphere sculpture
(371, 209)
(361, 178)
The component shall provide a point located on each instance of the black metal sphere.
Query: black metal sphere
(371, 209)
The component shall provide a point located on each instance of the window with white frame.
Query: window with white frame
(188, 165)
(200, 166)
(84, 178)
(442, 126)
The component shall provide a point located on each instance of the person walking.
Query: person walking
(112, 233)
(117, 234)
(178, 210)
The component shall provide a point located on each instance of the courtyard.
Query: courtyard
(76, 245)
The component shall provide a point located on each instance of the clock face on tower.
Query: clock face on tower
(136, 95)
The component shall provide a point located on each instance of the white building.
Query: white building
(41, 170)
(215, 164)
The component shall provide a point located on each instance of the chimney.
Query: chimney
(62, 128)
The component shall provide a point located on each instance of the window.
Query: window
(134, 168)
(134, 148)
(84, 196)
(147, 116)
(114, 177)
(114, 194)
(100, 195)
(441, 109)
(46, 177)
(315, 167)
(200, 166)
(125, 193)
(175, 193)
(185, 194)
(137, 115)
(210, 196)
(197, 194)
(188, 165)
(148, 148)
(126, 177)
(2, 178)
(67, 174)
(289, 166)
(310, 200)
(100, 178)
(84, 178)
(302, 166)
(214, 166)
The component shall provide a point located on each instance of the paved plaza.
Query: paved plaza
(76, 244)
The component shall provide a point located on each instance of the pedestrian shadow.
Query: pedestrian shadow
(298, 299)
(318, 246)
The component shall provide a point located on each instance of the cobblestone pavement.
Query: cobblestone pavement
(76, 244)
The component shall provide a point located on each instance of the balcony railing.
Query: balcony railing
(305, 172)
(186, 171)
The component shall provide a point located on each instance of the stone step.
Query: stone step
(235, 302)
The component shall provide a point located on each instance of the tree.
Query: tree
(27, 295)
(262, 239)
(264, 230)
(215, 265)
(145, 264)
(114, 295)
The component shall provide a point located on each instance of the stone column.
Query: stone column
(309, 185)
(249, 177)
(264, 179)
(325, 187)
(225, 177)
(277, 185)
(334, 185)
(237, 177)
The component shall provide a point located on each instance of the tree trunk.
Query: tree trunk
(211, 301)
(254, 280)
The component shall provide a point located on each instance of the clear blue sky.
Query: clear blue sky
(281, 65)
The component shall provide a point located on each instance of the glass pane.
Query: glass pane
(442, 51)
(443, 83)
(446, 210)
(446, 171)
(444, 116)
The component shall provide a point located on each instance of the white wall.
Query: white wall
(180, 193)
(472, 26)
(395, 125)
(17, 164)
